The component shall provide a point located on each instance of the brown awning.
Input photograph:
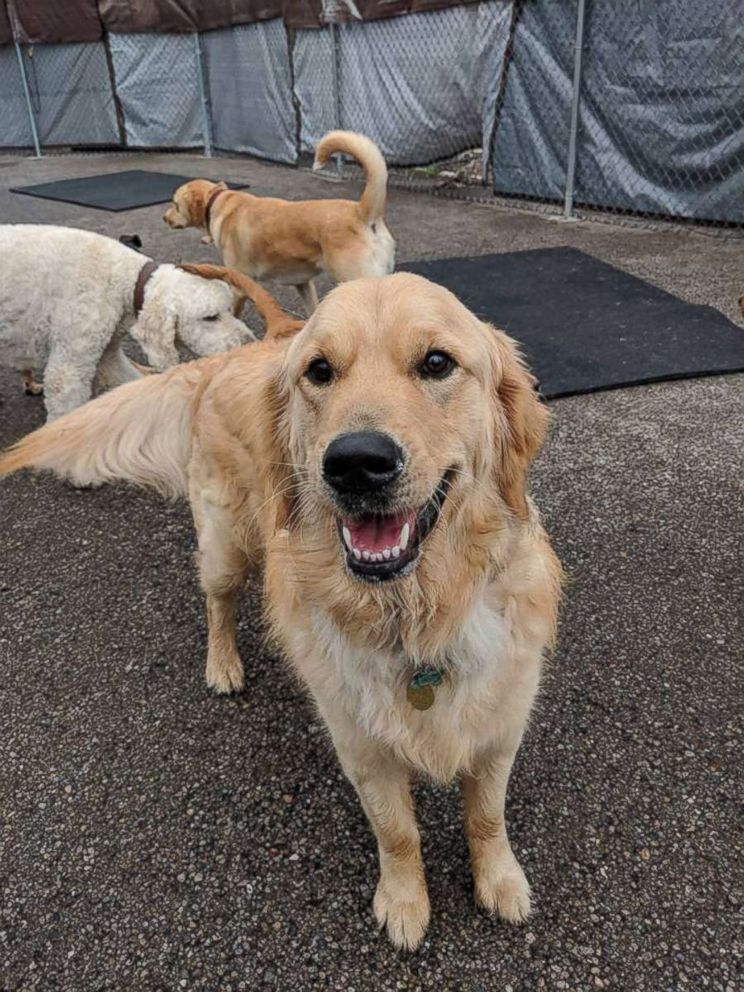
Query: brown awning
(297, 14)
(152, 16)
(6, 34)
(51, 21)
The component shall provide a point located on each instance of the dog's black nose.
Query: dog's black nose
(361, 462)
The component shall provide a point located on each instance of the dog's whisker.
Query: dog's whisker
(283, 490)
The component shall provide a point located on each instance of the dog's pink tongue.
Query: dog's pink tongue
(378, 533)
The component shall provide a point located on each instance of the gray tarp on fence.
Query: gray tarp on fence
(15, 130)
(71, 94)
(421, 86)
(661, 113)
(157, 86)
(250, 87)
(661, 110)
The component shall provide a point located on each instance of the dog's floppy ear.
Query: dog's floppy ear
(278, 323)
(155, 331)
(521, 421)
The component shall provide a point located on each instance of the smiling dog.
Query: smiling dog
(375, 462)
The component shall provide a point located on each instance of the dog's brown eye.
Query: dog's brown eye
(319, 372)
(436, 365)
(212, 316)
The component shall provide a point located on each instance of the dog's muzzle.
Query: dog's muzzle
(362, 470)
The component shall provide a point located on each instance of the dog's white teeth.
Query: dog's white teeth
(396, 552)
(405, 530)
(357, 553)
(365, 555)
(386, 553)
(347, 538)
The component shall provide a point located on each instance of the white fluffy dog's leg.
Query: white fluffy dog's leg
(115, 369)
(67, 384)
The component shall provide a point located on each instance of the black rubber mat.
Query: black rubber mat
(585, 325)
(114, 191)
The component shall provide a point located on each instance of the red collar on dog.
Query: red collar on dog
(210, 202)
(139, 287)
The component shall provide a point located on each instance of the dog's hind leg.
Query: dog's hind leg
(30, 386)
(67, 384)
(500, 883)
(222, 569)
(309, 295)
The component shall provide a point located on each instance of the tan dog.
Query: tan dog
(292, 242)
(376, 464)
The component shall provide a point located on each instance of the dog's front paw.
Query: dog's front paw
(225, 673)
(502, 888)
(405, 916)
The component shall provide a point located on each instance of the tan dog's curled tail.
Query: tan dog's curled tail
(139, 432)
(278, 323)
(369, 156)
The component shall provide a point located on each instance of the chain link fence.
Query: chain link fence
(634, 107)
(16, 131)
(156, 78)
(420, 86)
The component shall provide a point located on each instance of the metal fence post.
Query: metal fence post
(206, 112)
(336, 92)
(29, 104)
(572, 138)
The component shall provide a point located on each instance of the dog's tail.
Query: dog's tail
(278, 323)
(369, 156)
(139, 432)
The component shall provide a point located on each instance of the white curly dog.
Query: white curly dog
(68, 298)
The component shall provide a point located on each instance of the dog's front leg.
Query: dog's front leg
(401, 903)
(500, 883)
(309, 295)
(222, 569)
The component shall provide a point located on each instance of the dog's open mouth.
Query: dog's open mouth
(380, 547)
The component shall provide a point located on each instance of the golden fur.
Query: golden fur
(244, 434)
(294, 241)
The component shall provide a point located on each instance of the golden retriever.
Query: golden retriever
(375, 463)
(292, 242)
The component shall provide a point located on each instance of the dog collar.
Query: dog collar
(420, 691)
(139, 287)
(210, 202)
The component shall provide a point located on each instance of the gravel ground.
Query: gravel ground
(155, 837)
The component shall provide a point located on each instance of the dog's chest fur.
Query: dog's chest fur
(490, 679)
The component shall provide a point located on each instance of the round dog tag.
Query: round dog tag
(420, 691)
(421, 697)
